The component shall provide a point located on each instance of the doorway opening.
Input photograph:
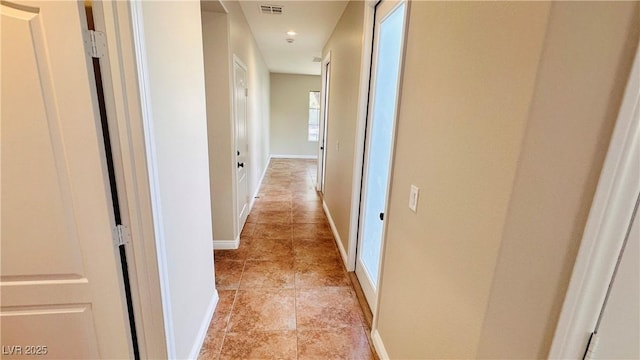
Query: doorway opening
(324, 117)
(241, 142)
(384, 89)
(117, 213)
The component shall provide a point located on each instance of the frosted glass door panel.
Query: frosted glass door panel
(382, 119)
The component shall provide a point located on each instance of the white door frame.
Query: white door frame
(372, 294)
(234, 137)
(323, 125)
(129, 119)
(605, 230)
(358, 158)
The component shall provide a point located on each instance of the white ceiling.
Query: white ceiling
(313, 20)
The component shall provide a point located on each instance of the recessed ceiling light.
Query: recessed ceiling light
(292, 33)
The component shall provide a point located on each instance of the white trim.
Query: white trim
(343, 253)
(288, 156)
(120, 82)
(363, 101)
(226, 244)
(255, 194)
(204, 327)
(154, 187)
(323, 125)
(366, 283)
(394, 6)
(379, 345)
(604, 233)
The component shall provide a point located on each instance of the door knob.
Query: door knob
(381, 216)
(240, 164)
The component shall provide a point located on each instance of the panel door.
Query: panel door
(242, 147)
(60, 283)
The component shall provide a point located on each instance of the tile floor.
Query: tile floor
(284, 294)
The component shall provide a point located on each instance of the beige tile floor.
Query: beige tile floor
(284, 294)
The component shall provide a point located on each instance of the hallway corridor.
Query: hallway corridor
(285, 293)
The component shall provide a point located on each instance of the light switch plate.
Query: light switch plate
(413, 198)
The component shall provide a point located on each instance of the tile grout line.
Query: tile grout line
(293, 177)
(295, 285)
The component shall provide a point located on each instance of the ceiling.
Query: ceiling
(312, 20)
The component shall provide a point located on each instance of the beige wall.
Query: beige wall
(290, 114)
(505, 116)
(468, 79)
(586, 64)
(215, 28)
(345, 45)
(223, 36)
(244, 46)
(173, 52)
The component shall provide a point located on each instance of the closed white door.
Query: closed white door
(618, 329)
(322, 158)
(242, 148)
(381, 120)
(60, 275)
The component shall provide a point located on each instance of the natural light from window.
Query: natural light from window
(314, 115)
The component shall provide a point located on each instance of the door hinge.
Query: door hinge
(121, 235)
(96, 43)
(592, 346)
(246, 92)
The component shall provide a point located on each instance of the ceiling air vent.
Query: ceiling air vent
(271, 9)
(317, 59)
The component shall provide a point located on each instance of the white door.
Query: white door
(322, 158)
(381, 118)
(60, 280)
(242, 148)
(618, 328)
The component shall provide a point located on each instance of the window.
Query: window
(314, 115)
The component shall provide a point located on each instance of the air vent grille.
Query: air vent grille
(271, 9)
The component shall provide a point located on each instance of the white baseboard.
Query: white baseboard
(255, 194)
(204, 326)
(234, 244)
(343, 253)
(379, 345)
(226, 244)
(285, 156)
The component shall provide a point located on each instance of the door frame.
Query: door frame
(325, 73)
(363, 102)
(368, 131)
(234, 143)
(609, 217)
(136, 179)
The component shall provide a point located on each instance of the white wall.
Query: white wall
(215, 36)
(290, 114)
(458, 140)
(505, 138)
(588, 53)
(244, 46)
(225, 35)
(179, 164)
(345, 45)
